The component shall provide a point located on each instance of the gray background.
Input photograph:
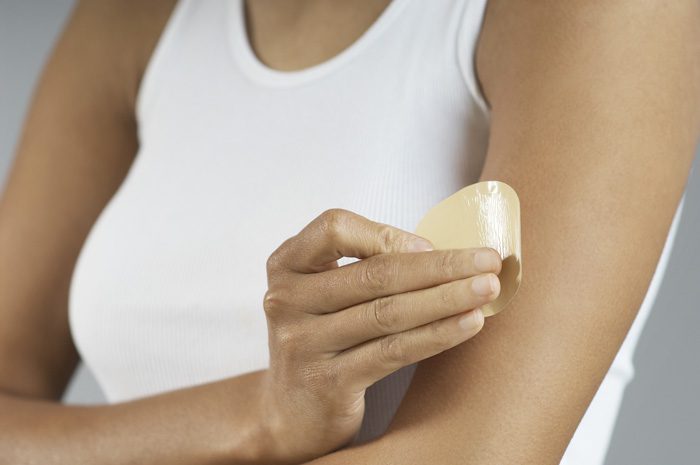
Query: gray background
(660, 418)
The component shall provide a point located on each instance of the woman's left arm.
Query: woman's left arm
(595, 119)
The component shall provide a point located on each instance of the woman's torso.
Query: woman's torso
(236, 157)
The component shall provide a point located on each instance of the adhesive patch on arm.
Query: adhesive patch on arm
(485, 214)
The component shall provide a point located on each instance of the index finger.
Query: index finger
(340, 233)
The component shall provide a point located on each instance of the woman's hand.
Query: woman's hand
(334, 331)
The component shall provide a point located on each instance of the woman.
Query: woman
(274, 138)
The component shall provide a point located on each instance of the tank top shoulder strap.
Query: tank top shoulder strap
(162, 56)
(467, 39)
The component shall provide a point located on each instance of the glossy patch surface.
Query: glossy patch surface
(485, 214)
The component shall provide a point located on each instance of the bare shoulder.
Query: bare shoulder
(121, 34)
(592, 43)
(77, 144)
(620, 79)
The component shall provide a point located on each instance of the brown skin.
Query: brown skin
(291, 35)
(594, 122)
(335, 331)
(78, 144)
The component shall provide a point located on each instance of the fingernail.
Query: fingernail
(484, 284)
(473, 319)
(419, 245)
(484, 260)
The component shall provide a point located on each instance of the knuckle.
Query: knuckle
(378, 274)
(391, 350)
(383, 315)
(386, 237)
(273, 304)
(440, 339)
(286, 338)
(274, 262)
(433, 341)
(447, 297)
(450, 263)
(331, 221)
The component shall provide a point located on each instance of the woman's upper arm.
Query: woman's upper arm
(77, 144)
(595, 119)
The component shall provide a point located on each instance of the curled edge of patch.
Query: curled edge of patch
(484, 214)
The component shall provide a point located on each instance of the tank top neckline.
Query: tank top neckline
(248, 62)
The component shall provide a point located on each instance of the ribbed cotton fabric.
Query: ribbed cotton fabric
(236, 157)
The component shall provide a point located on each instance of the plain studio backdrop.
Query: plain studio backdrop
(659, 422)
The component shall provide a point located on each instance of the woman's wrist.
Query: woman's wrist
(271, 435)
(254, 432)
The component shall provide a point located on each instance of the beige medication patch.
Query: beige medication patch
(485, 214)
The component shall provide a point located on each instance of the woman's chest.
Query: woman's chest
(168, 288)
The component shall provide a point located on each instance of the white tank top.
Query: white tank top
(236, 157)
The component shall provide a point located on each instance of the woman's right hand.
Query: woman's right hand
(334, 331)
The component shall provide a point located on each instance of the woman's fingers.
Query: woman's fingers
(304, 276)
(400, 312)
(388, 274)
(340, 233)
(371, 361)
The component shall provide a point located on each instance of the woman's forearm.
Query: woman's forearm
(213, 423)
